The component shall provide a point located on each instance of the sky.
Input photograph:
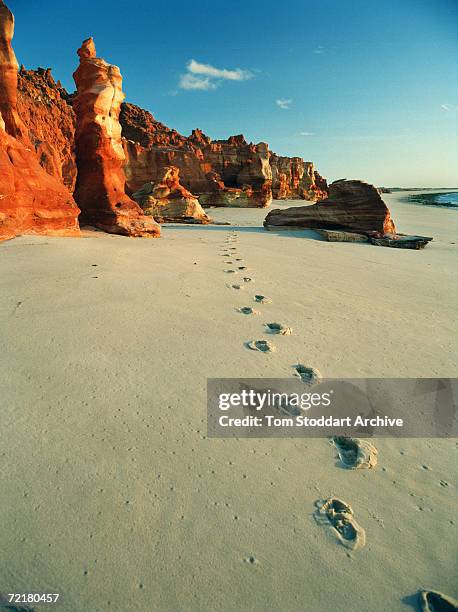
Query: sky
(365, 89)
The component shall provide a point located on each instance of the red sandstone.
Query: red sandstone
(31, 201)
(100, 187)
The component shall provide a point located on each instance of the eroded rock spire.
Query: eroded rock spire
(100, 186)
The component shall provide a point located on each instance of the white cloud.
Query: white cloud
(306, 133)
(191, 81)
(319, 50)
(205, 77)
(284, 103)
(218, 73)
(449, 107)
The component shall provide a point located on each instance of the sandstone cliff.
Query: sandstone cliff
(292, 177)
(228, 172)
(100, 185)
(243, 169)
(31, 200)
(44, 107)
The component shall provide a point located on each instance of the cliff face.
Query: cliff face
(292, 177)
(228, 172)
(45, 109)
(31, 200)
(242, 170)
(100, 185)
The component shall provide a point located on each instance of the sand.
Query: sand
(113, 496)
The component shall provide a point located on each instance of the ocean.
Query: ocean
(447, 200)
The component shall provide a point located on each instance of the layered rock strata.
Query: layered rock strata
(168, 201)
(228, 172)
(100, 186)
(292, 177)
(45, 108)
(352, 206)
(31, 201)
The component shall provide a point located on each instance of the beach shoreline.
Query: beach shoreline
(116, 495)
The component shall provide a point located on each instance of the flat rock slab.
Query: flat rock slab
(400, 241)
(341, 236)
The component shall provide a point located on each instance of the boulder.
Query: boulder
(31, 201)
(100, 186)
(352, 206)
(168, 201)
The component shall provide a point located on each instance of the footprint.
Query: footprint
(261, 345)
(242, 267)
(309, 376)
(434, 601)
(278, 328)
(262, 299)
(234, 286)
(247, 279)
(339, 515)
(248, 310)
(355, 453)
(229, 262)
(229, 271)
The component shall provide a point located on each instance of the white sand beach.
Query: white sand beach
(113, 496)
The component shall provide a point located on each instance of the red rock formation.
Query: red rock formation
(168, 201)
(100, 187)
(140, 126)
(8, 78)
(31, 201)
(352, 206)
(293, 178)
(247, 173)
(242, 167)
(45, 109)
(321, 186)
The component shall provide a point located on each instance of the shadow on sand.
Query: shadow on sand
(305, 233)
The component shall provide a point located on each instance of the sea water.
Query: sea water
(447, 200)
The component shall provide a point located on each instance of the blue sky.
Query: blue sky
(364, 88)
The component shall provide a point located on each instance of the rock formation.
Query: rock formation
(292, 178)
(100, 187)
(240, 166)
(8, 78)
(352, 206)
(31, 201)
(244, 175)
(228, 172)
(45, 108)
(168, 201)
